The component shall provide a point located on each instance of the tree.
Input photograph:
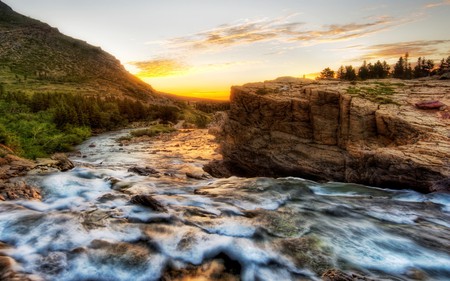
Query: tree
(363, 71)
(386, 69)
(350, 73)
(399, 69)
(341, 73)
(428, 67)
(327, 73)
(444, 66)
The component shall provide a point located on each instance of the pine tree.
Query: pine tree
(363, 71)
(341, 73)
(399, 69)
(418, 72)
(327, 73)
(350, 73)
(386, 69)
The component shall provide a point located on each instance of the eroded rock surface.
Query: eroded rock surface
(369, 133)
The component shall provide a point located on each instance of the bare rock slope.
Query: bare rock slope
(370, 133)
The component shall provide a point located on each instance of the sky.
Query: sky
(202, 47)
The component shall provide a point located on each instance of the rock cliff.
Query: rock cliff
(370, 132)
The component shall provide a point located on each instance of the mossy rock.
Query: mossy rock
(308, 252)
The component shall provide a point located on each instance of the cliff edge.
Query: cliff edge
(369, 132)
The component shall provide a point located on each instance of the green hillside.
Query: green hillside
(35, 57)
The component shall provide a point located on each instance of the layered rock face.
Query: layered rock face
(369, 133)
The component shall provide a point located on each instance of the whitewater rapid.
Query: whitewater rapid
(86, 227)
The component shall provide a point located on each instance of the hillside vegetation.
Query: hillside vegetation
(55, 90)
(35, 57)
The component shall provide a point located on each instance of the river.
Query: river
(88, 227)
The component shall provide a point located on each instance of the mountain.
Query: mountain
(35, 57)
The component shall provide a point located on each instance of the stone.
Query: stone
(143, 171)
(337, 275)
(18, 190)
(430, 104)
(196, 175)
(217, 169)
(318, 130)
(63, 163)
(149, 202)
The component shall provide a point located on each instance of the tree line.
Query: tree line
(380, 70)
(42, 123)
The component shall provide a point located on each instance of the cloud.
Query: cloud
(437, 4)
(280, 30)
(163, 67)
(395, 50)
(160, 67)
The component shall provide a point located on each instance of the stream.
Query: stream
(91, 226)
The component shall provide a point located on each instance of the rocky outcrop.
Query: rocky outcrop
(369, 133)
(13, 168)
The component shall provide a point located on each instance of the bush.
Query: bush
(152, 131)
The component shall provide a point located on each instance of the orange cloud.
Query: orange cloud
(279, 30)
(395, 50)
(437, 4)
(160, 68)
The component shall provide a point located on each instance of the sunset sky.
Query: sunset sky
(202, 47)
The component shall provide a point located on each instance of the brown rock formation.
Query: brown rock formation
(369, 133)
(13, 168)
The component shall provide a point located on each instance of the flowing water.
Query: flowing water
(86, 227)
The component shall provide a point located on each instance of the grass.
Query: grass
(381, 93)
(197, 118)
(152, 131)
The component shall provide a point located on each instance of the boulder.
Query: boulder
(62, 162)
(143, 171)
(149, 202)
(430, 104)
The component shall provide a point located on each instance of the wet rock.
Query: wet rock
(221, 268)
(279, 223)
(308, 252)
(196, 175)
(18, 190)
(62, 162)
(95, 219)
(121, 254)
(148, 201)
(337, 275)
(92, 145)
(431, 104)
(143, 171)
(217, 169)
(8, 271)
(54, 263)
(416, 274)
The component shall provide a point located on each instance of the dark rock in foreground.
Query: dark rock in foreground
(148, 201)
(340, 132)
(143, 171)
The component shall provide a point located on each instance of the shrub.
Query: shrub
(152, 131)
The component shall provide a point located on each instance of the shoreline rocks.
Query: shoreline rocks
(14, 168)
(337, 131)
